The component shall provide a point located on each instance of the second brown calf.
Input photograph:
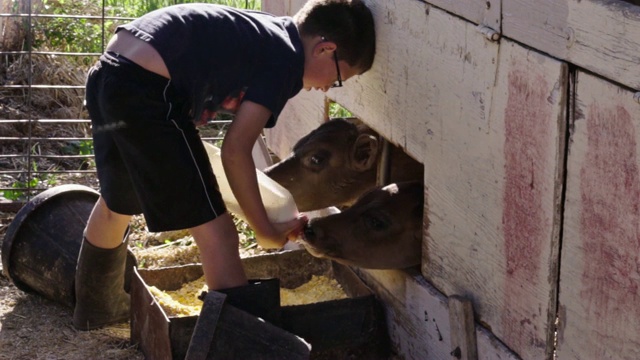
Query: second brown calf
(381, 230)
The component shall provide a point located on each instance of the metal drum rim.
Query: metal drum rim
(23, 214)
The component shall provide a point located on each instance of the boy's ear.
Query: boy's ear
(324, 47)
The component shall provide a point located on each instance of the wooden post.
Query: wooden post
(384, 167)
(463, 331)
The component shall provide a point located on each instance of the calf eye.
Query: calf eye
(317, 160)
(374, 222)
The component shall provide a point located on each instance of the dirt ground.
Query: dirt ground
(32, 327)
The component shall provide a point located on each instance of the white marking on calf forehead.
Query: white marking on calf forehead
(391, 188)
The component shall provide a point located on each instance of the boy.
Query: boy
(162, 75)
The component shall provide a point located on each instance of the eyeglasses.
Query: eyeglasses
(338, 83)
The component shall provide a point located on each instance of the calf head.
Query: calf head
(382, 230)
(331, 166)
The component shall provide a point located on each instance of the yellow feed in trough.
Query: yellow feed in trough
(181, 302)
(185, 302)
(318, 289)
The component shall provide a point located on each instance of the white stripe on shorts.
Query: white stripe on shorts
(204, 187)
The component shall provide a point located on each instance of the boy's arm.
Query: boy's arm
(241, 174)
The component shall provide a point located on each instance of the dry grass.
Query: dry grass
(32, 327)
(20, 104)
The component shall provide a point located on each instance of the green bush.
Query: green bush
(135, 8)
(80, 35)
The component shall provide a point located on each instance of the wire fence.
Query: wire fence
(45, 134)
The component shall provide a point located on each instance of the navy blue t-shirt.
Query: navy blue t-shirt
(218, 55)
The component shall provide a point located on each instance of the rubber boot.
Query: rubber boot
(260, 298)
(101, 298)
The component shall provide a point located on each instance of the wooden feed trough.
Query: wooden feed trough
(351, 328)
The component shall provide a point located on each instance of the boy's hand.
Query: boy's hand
(285, 231)
(301, 221)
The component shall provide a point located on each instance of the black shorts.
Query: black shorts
(149, 155)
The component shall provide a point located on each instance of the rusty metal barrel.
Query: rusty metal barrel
(41, 246)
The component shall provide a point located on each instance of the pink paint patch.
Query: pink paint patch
(528, 141)
(610, 223)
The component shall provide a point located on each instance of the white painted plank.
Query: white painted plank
(303, 113)
(424, 58)
(600, 274)
(494, 180)
(440, 89)
(463, 328)
(432, 91)
(417, 317)
(602, 36)
(490, 348)
(485, 12)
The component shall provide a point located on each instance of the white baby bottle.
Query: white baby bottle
(276, 199)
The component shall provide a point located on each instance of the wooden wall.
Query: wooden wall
(525, 116)
(600, 264)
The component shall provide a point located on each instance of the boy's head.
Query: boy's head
(347, 25)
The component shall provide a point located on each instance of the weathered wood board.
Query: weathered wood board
(602, 36)
(486, 124)
(418, 317)
(430, 68)
(296, 121)
(482, 12)
(494, 180)
(490, 348)
(417, 314)
(599, 312)
(487, 119)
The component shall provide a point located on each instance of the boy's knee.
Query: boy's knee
(102, 215)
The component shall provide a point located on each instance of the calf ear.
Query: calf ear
(365, 152)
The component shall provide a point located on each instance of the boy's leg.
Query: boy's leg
(105, 228)
(218, 243)
(100, 273)
(223, 270)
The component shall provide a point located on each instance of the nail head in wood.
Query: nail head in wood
(488, 32)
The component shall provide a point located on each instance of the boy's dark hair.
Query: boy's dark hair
(348, 23)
